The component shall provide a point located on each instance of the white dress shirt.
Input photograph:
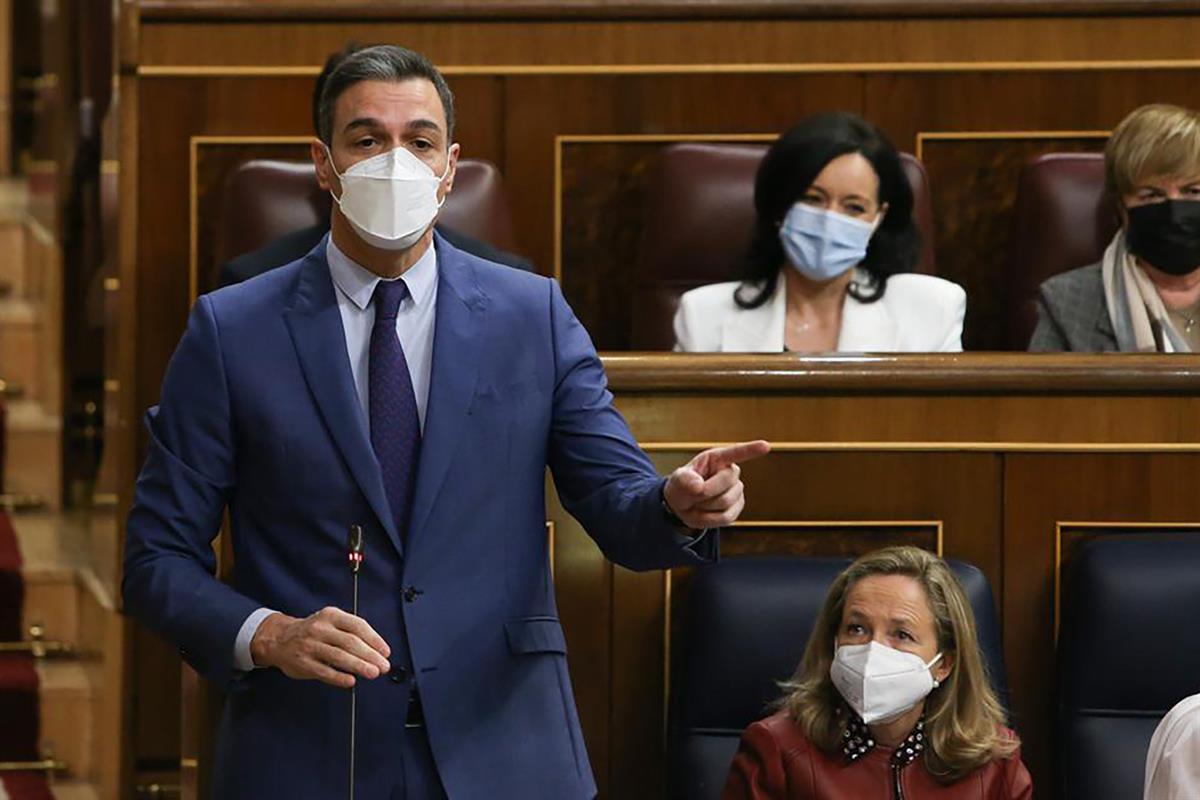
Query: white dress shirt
(1173, 760)
(355, 286)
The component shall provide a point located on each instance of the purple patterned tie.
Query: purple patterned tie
(395, 426)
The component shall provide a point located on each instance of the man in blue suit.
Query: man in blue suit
(391, 381)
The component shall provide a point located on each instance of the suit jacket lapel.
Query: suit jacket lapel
(757, 330)
(457, 344)
(1104, 327)
(320, 341)
(866, 327)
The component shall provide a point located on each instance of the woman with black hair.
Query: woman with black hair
(829, 267)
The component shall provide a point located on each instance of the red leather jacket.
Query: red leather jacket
(776, 762)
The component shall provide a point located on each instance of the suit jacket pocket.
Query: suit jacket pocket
(535, 635)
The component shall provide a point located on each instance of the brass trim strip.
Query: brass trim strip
(39, 648)
(194, 145)
(21, 502)
(469, 70)
(630, 138)
(1059, 527)
(47, 765)
(944, 447)
(666, 677)
(621, 138)
(193, 221)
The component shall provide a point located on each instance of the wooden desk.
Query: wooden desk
(1006, 461)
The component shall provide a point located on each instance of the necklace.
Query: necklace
(800, 326)
(1187, 315)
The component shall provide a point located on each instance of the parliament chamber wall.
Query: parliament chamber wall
(1007, 460)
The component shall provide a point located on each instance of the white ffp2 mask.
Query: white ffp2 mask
(390, 199)
(879, 682)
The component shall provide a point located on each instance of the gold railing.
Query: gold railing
(49, 765)
(21, 502)
(37, 645)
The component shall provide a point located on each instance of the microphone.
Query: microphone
(354, 556)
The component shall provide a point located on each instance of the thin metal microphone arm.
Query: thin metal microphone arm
(354, 555)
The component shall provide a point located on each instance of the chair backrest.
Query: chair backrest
(699, 221)
(1129, 650)
(1062, 219)
(264, 199)
(745, 628)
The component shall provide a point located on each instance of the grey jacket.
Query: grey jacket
(1072, 314)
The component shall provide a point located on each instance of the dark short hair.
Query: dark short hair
(381, 62)
(331, 63)
(789, 169)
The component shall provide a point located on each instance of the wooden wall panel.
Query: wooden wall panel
(1040, 493)
(973, 183)
(607, 42)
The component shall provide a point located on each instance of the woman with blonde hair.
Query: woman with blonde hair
(891, 699)
(1144, 294)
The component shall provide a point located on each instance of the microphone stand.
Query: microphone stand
(354, 555)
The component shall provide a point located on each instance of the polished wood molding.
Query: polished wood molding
(1040, 373)
(309, 10)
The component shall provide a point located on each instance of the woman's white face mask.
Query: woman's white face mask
(390, 199)
(879, 682)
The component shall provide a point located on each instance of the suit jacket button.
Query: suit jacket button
(398, 675)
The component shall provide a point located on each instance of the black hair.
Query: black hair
(331, 63)
(789, 169)
(381, 62)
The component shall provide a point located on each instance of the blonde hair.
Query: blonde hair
(1154, 140)
(963, 719)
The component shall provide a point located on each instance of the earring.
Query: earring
(936, 683)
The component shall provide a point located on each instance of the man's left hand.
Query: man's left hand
(707, 492)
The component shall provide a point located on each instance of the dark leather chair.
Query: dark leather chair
(265, 199)
(698, 223)
(1062, 219)
(745, 628)
(1129, 650)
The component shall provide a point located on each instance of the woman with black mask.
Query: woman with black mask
(1144, 295)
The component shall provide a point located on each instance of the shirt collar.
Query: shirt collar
(857, 741)
(357, 282)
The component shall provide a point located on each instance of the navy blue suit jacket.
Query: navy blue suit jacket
(259, 415)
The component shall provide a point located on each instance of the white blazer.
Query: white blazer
(917, 313)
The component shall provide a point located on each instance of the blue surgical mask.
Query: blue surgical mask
(824, 244)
